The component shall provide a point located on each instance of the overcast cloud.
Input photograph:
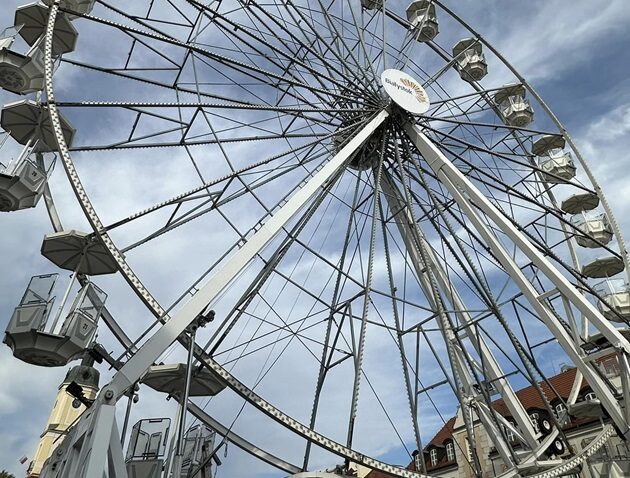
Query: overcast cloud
(572, 51)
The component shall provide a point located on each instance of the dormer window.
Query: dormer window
(508, 433)
(560, 410)
(434, 456)
(450, 451)
(533, 417)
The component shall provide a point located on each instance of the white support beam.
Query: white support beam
(469, 199)
(408, 227)
(424, 263)
(146, 355)
(92, 452)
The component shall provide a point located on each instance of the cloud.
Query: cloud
(542, 39)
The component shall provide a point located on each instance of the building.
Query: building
(448, 453)
(64, 412)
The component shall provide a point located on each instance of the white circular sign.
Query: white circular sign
(405, 91)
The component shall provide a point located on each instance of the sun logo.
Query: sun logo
(420, 94)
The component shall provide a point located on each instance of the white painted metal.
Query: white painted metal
(160, 341)
(409, 231)
(90, 449)
(469, 198)
(135, 368)
(158, 311)
(63, 3)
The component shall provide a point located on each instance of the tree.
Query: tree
(6, 474)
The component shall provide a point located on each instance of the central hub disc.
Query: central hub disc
(408, 95)
(405, 91)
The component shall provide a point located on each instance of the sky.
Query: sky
(572, 52)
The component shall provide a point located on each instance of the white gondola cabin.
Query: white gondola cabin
(421, 14)
(198, 448)
(557, 165)
(22, 182)
(470, 60)
(20, 74)
(595, 228)
(513, 106)
(33, 342)
(372, 4)
(147, 446)
(615, 303)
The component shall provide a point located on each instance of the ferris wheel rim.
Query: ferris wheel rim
(98, 226)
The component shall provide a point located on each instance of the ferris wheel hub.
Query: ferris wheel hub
(367, 156)
(405, 91)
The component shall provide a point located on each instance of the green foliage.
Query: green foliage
(6, 474)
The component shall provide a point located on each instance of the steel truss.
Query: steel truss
(412, 158)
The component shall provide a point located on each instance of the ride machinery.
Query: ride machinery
(341, 221)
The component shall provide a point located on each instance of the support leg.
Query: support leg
(470, 199)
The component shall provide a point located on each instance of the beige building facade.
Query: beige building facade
(448, 454)
(63, 413)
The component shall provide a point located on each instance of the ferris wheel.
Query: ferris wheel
(373, 214)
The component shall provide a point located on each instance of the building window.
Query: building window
(433, 455)
(508, 433)
(590, 396)
(534, 419)
(559, 410)
(416, 462)
(450, 451)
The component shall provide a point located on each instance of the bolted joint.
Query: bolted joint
(109, 394)
(205, 318)
(200, 321)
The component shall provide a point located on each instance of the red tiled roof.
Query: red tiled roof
(529, 397)
(445, 432)
(443, 462)
(559, 385)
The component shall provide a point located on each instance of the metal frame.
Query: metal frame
(470, 198)
(430, 277)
